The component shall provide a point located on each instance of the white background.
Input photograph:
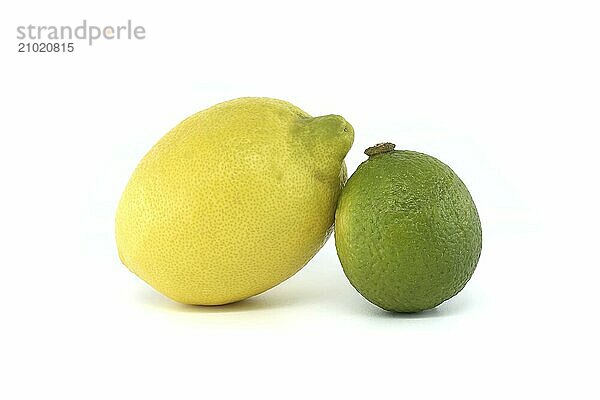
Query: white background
(506, 93)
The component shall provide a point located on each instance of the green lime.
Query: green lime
(406, 230)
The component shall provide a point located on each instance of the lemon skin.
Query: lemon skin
(232, 201)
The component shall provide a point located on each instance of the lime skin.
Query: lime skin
(407, 231)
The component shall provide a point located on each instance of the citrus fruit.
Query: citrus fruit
(407, 231)
(232, 201)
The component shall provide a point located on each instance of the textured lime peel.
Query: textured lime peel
(406, 230)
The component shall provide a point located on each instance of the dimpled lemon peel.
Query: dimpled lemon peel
(233, 200)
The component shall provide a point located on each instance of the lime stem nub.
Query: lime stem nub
(380, 148)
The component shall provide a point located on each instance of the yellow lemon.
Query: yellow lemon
(234, 200)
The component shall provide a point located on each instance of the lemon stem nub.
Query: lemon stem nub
(380, 148)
